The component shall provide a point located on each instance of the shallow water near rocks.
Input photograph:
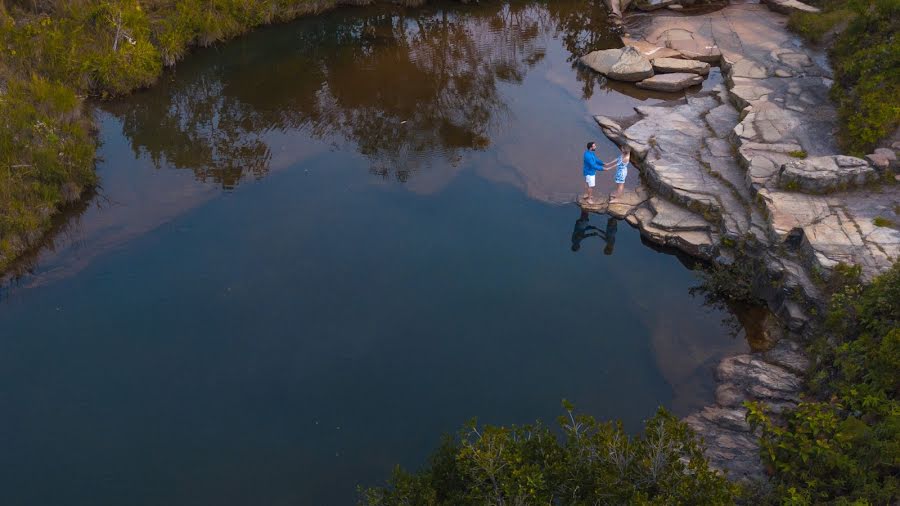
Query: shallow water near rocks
(321, 246)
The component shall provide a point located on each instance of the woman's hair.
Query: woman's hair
(590, 144)
(626, 149)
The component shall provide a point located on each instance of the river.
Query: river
(319, 247)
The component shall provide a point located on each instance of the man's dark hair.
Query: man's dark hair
(590, 144)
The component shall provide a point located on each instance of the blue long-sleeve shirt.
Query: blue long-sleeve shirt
(591, 163)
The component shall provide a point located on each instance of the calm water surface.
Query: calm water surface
(321, 246)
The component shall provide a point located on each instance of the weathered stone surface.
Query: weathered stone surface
(601, 61)
(611, 129)
(825, 174)
(749, 370)
(731, 451)
(889, 154)
(672, 65)
(749, 68)
(670, 82)
(837, 227)
(631, 66)
(790, 355)
(675, 218)
(730, 395)
(879, 161)
(616, 8)
(651, 51)
(695, 50)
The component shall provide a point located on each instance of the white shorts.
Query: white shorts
(589, 180)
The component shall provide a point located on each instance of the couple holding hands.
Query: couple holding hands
(592, 164)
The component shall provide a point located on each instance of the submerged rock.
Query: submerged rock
(671, 82)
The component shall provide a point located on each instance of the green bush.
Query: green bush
(866, 59)
(590, 463)
(843, 446)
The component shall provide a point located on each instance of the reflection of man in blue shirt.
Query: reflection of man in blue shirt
(581, 231)
(590, 167)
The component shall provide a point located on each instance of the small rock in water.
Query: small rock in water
(673, 65)
(632, 66)
(601, 61)
(671, 82)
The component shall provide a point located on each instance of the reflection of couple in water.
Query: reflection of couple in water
(583, 231)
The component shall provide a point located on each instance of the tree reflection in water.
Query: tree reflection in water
(402, 85)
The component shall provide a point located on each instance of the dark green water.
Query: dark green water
(321, 246)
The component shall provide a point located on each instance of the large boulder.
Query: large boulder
(676, 65)
(601, 61)
(632, 66)
(825, 174)
(670, 82)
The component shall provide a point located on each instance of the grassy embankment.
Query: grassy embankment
(865, 53)
(54, 53)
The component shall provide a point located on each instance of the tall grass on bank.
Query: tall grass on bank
(55, 52)
(46, 157)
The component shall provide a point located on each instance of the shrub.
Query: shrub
(866, 60)
(590, 463)
(843, 445)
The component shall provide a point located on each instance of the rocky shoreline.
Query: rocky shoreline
(751, 164)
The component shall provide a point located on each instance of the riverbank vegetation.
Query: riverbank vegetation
(865, 54)
(842, 445)
(589, 462)
(54, 53)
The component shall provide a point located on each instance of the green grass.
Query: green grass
(814, 27)
(46, 158)
(881, 221)
(798, 154)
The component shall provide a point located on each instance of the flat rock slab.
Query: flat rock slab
(824, 174)
(671, 82)
(695, 50)
(838, 227)
(671, 65)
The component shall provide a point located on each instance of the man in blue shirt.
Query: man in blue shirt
(591, 165)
